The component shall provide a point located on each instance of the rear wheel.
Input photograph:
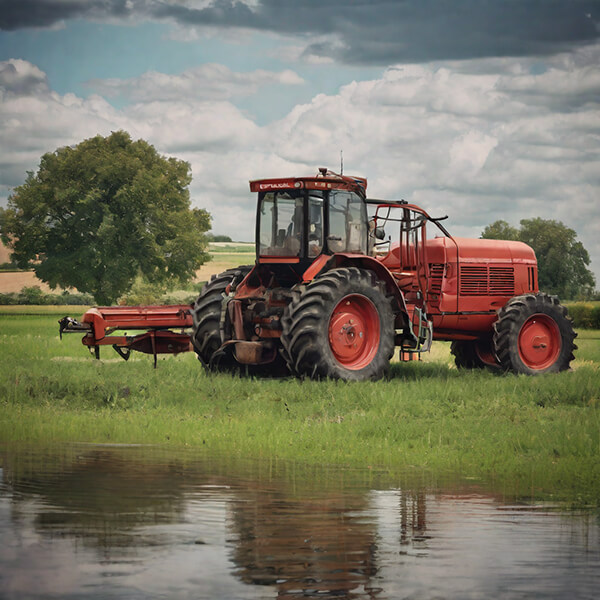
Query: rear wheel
(473, 354)
(207, 310)
(339, 326)
(534, 335)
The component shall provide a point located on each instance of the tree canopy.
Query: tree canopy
(562, 260)
(96, 215)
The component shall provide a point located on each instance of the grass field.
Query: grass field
(535, 436)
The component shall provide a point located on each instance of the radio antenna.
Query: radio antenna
(341, 162)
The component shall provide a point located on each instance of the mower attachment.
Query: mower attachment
(101, 322)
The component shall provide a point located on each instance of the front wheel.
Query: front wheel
(534, 335)
(339, 326)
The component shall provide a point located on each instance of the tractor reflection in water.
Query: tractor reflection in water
(100, 522)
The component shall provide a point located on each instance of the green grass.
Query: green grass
(534, 436)
(232, 247)
(228, 260)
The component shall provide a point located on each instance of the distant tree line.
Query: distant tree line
(35, 295)
(218, 238)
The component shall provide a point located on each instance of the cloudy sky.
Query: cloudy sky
(479, 109)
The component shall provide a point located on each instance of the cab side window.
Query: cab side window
(347, 223)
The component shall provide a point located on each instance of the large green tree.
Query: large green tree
(562, 259)
(96, 215)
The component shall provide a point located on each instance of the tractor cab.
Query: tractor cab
(299, 219)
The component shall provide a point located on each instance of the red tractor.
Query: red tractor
(330, 297)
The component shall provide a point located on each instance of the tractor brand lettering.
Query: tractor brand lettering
(274, 186)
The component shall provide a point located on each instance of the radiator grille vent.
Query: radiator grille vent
(436, 272)
(502, 281)
(484, 281)
(473, 281)
(531, 279)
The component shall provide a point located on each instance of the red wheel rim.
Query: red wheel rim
(354, 331)
(539, 342)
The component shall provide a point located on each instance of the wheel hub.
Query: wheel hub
(346, 332)
(354, 331)
(539, 342)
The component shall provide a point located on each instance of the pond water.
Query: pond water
(91, 521)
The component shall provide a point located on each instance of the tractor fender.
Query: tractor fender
(327, 262)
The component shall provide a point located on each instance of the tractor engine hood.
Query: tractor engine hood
(478, 251)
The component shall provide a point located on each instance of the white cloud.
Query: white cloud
(19, 77)
(295, 53)
(177, 127)
(469, 152)
(479, 141)
(206, 82)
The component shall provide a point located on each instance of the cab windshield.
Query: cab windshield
(304, 223)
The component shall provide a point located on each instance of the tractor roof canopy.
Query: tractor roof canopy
(324, 180)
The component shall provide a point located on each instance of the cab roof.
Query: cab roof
(324, 180)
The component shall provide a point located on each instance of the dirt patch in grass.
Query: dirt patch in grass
(15, 282)
(210, 269)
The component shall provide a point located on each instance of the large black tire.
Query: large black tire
(473, 354)
(206, 337)
(534, 335)
(339, 326)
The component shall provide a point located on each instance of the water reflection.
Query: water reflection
(111, 522)
(304, 545)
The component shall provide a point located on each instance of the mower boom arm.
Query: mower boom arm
(100, 323)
